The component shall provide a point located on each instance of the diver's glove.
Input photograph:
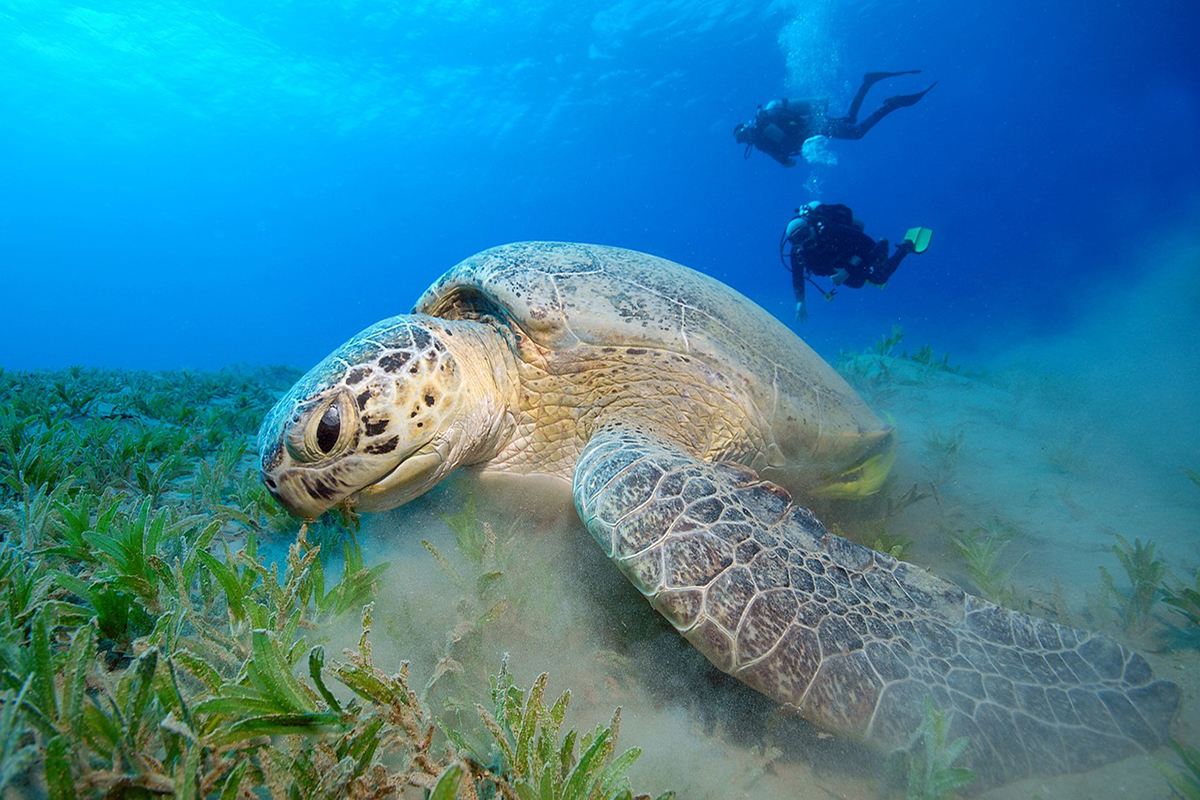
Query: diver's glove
(801, 311)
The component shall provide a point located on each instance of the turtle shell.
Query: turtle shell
(565, 295)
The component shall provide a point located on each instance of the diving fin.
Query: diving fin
(875, 77)
(919, 238)
(902, 100)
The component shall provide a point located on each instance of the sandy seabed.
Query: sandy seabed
(1029, 453)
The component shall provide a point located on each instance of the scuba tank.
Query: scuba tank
(798, 231)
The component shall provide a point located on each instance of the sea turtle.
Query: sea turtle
(682, 415)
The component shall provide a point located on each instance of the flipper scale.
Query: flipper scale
(856, 640)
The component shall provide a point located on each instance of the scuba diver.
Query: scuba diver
(781, 127)
(825, 239)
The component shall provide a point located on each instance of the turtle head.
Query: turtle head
(382, 419)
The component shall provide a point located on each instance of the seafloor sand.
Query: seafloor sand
(1037, 456)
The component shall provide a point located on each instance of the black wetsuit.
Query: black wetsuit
(833, 243)
(781, 127)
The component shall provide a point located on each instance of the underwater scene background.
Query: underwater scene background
(193, 193)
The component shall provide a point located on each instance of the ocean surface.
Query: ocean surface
(200, 185)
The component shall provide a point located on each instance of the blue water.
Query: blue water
(198, 184)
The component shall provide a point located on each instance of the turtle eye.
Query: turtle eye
(320, 428)
(329, 428)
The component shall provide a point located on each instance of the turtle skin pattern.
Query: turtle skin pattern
(853, 639)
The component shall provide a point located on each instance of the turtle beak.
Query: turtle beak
(412, 477)
(305, 499)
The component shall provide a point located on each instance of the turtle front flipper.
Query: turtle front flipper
(854, 639)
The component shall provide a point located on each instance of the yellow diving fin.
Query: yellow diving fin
(919, 238)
